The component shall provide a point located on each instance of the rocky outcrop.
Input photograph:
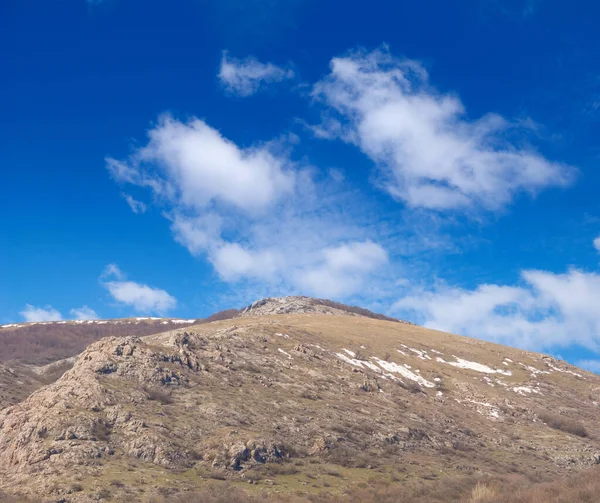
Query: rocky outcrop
(289, 305)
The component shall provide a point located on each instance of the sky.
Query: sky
(435, 161)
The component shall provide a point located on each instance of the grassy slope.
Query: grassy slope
(253, 390)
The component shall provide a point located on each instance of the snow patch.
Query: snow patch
(351, 353)
(489, 409)
(420, 354)
(533, 370)
(563, 370)
(523, 390)
(488, 381)
(358, 363)
(477, 367)
(283, 352)
(404, 372)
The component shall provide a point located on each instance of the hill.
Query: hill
(317, 401)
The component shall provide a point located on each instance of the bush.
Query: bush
(564, 424)
(158, 395)
(482, 493)
(104, 494)
(410, 386)
(101, 431)
(76, 488)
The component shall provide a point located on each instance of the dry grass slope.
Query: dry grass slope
(578, 488)
(315, 408)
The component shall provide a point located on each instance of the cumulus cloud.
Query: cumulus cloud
(37, 314)
(192, 165)
(245, 77)
(232, 261)
(252, 212)
(430, 154)
(135, 205)
(547, 310)
(83, 313)
(142, 298)
(343, 268)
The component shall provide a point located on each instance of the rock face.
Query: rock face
(308, 305)
(318, 387)
(289, 305)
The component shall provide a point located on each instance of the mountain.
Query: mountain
(295, 397)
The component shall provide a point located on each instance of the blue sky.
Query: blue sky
(436, 161)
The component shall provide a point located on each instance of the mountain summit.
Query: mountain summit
(307, 305)
(299, 396)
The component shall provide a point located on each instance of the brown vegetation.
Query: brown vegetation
(565, 424)
(355, 310)
(40, 344)
(580, 488)
(227, 314)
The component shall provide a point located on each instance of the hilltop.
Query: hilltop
(319, 399)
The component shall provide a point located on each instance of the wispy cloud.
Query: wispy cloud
(591, 365)
(37, 314)
(547, 310)
(83, 313)
(244, 77)
(255, 214)
(48, 313)
(597, 244)
(429, 153)
(135, 205)
(142, 298)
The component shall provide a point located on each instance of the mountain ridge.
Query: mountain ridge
(253, 397)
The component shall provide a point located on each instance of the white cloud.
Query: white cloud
(245, 77)
(548, 310)
(344, 268)
(32, 313)
(194, 166)
(597, 243)
(430, 154)
(135, 205)
(142, 298)
(232, 261)
(591, 365)
(254, 214)
(112, 270)
(83, 313)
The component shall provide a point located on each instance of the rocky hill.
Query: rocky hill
(316, 400)
(35, 354)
